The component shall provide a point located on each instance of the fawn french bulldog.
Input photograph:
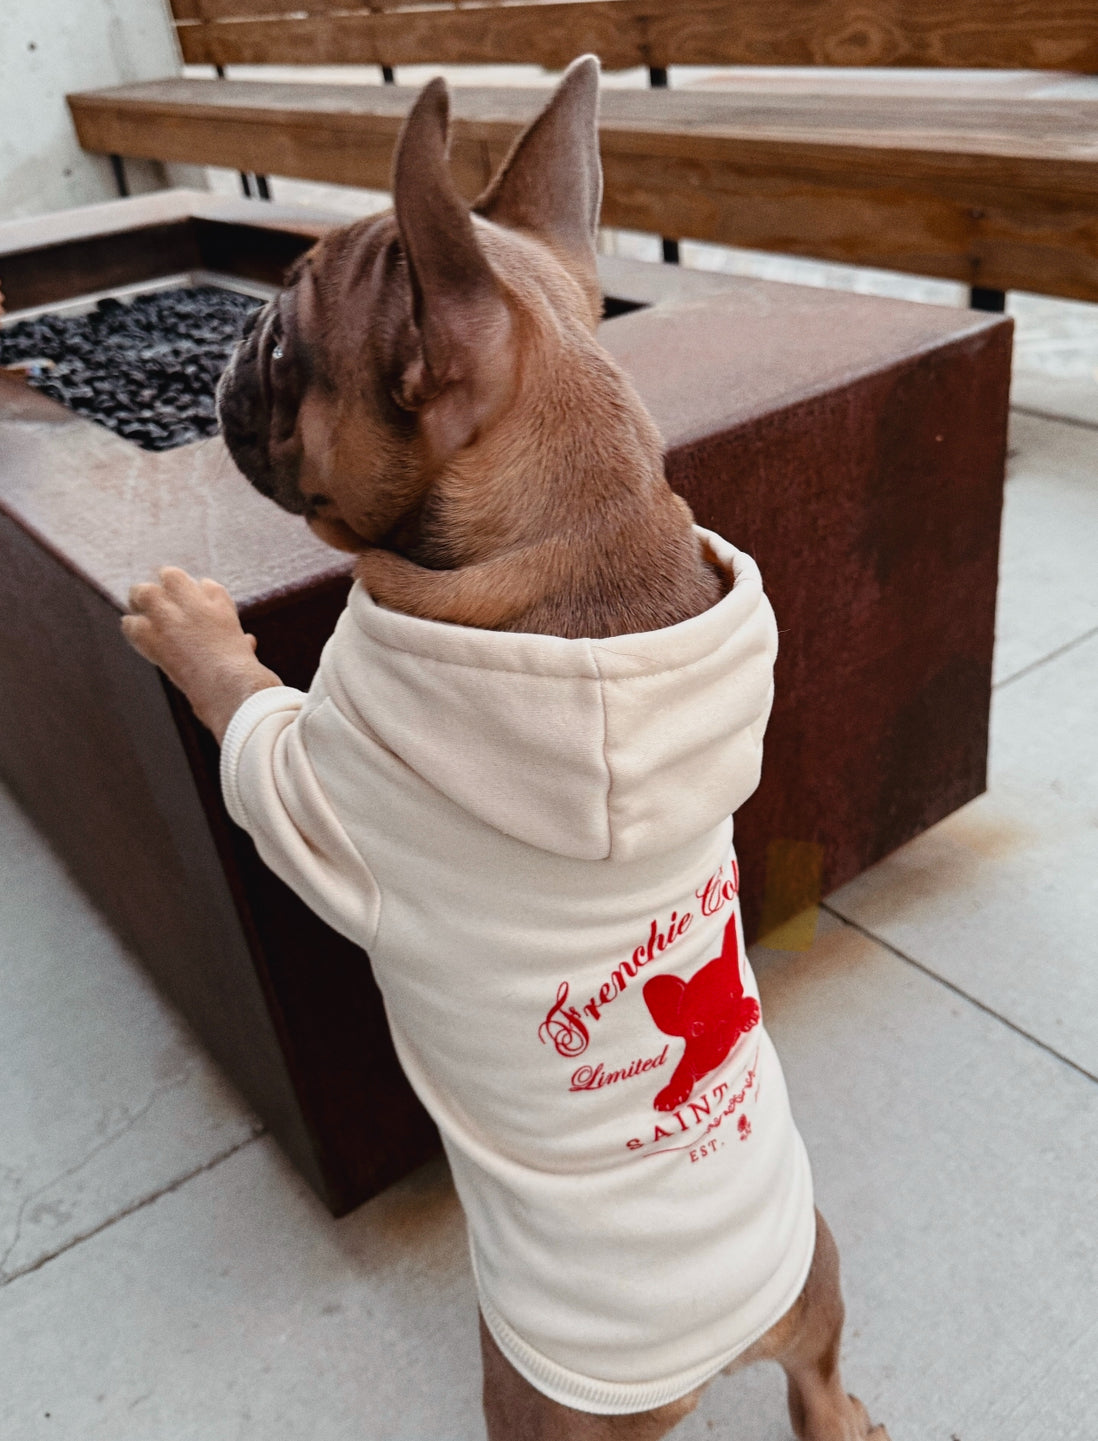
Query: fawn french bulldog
(512, 783)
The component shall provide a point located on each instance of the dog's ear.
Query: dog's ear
(551, 182)
(455, 359)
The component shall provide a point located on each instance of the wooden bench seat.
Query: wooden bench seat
(990, 184)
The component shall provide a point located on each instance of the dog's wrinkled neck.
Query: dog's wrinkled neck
(559, 520)
(410, 536)
(575, 454)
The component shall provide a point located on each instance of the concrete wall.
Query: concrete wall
(49, 47)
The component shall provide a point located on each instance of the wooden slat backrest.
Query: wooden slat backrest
(977, 34)
(212, 10)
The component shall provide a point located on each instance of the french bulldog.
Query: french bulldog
(428, 392)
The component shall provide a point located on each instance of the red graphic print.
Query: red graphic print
(710, 1011)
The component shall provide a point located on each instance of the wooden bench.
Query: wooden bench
(987, 178)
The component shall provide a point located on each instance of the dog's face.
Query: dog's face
(308, 405)
(395, 345)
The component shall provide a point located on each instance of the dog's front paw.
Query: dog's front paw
(190, 629)
(175, 620)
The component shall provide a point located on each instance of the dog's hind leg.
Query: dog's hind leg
(515, 1411)
(806, 1343)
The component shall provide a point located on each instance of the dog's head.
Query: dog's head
(399, 341)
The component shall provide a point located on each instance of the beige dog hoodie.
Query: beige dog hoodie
(532, 838)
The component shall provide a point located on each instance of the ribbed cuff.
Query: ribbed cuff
(252, 713)
(626, 1398)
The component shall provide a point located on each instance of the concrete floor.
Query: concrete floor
(165, 1276)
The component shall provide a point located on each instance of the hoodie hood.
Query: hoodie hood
(616, 749)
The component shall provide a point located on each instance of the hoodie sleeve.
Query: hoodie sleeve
(272, 791)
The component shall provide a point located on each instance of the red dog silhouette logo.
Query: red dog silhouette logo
(710, 1011)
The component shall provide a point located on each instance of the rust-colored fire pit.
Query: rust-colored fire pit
(855, 446)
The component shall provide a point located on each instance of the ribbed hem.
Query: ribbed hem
(254, 710)
(620, 1398)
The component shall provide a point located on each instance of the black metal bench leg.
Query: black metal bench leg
(982, 298)
(118, 165)
(262, 187)
(657, 78)
(388, 75)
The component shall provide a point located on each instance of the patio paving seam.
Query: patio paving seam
(1044, 660)
(66, 1175)
(959, 991)
(8, 1278)
(1054, 416)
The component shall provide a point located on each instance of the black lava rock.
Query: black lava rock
(147, 368)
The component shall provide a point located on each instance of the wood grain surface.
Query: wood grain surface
(704, 123)
(211, 10)
(996, 34)
(999, 191)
